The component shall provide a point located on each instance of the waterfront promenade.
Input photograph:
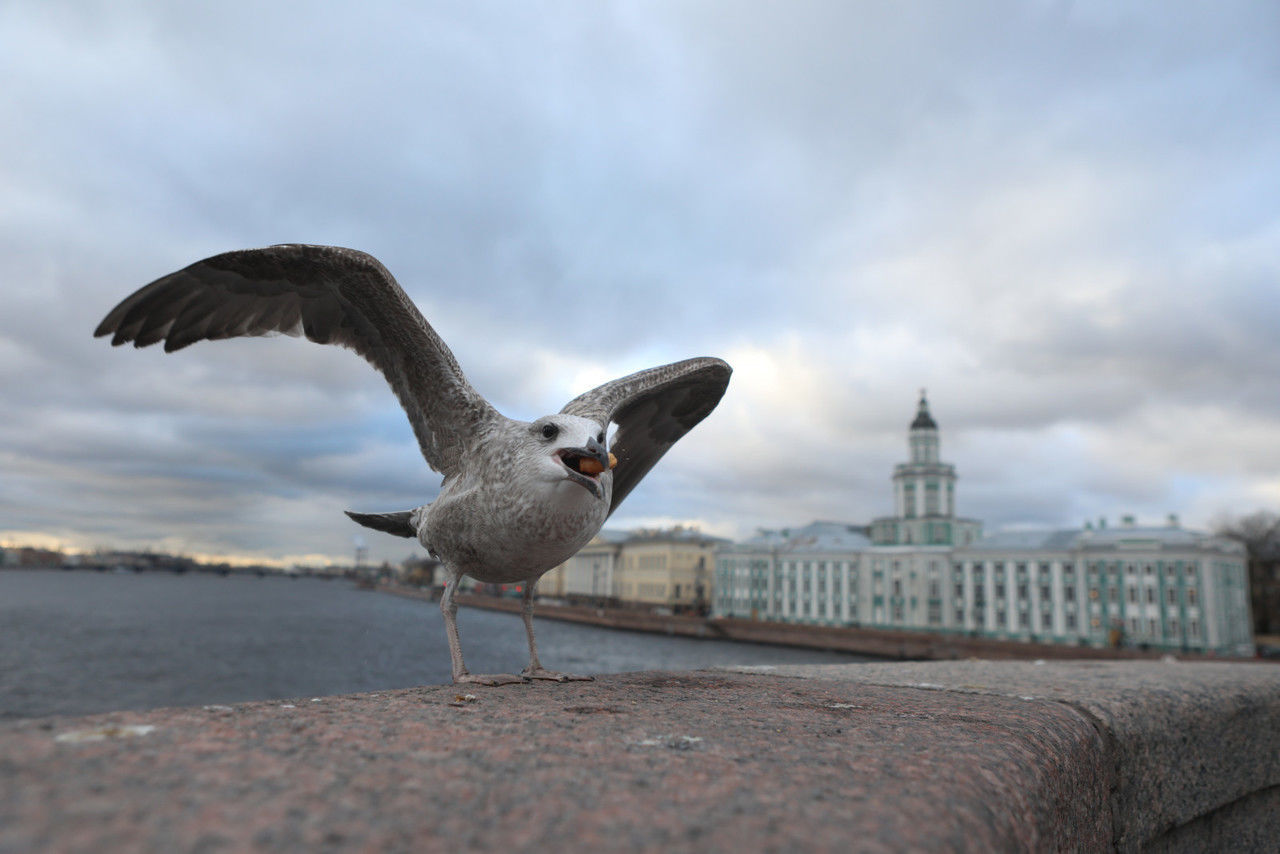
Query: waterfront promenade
(939, 756)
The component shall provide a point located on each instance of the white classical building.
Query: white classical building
(1160, 586)
(924, 494)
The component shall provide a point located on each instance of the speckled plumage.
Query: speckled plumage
(509, 508)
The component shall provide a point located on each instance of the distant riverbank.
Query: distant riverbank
(873, 643)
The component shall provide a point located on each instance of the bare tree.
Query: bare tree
(1260, 534)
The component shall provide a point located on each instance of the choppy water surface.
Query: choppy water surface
(84, 642)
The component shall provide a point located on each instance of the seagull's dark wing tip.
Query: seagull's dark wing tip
(400, 524)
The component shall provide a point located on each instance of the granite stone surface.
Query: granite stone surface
(1248, 824)
(1187, 739)
(1025, 760)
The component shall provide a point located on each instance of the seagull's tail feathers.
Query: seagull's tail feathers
(400, 524)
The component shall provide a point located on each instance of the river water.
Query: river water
(82, 642)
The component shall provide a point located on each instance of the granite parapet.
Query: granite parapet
(967, 756)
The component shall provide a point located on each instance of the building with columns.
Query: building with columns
(924, 494)
(1159, 586)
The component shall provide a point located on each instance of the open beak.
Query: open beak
(586, 464)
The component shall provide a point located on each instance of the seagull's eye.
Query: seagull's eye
(549, 431)
(600, 438)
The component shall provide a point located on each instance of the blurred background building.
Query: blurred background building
(666, 568)
(1160, 586)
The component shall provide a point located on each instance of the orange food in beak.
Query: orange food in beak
(587, 465)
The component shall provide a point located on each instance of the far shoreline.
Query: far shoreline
(883, 644)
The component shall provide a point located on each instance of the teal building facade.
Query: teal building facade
(924, 494)
(1154, 586)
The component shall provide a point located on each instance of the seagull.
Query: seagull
(518, 497)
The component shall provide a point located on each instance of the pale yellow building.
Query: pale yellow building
(589, 573)
(670, 568)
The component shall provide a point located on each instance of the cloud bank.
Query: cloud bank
(1060, 218)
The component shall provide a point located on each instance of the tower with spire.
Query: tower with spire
(924, 494)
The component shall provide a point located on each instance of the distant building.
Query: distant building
(924, 494)
(1163, 587)
(31, 557)
(419, 570)
(808, 575)
(590, 573)
(666, 568)
(140, 561)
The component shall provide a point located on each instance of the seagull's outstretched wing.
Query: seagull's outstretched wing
(332, 296)
(652, 409)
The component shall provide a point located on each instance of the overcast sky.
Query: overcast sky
(1059, 217)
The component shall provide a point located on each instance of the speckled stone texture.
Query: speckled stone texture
(646, 762)
(1195, 748)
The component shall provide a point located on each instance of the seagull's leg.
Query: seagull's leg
(535, 669)
(449, 608)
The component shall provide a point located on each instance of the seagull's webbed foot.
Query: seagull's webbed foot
(490, 679)
(553, 676)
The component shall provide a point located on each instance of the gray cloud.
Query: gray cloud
(1060, 217)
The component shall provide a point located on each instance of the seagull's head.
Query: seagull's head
(571, 448)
